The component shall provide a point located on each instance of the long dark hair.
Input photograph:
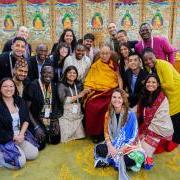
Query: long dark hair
(74, 41)
(122, 63)
(16, 93)
(56, 55)
(125, 105)
(147, 98)
(64, 78)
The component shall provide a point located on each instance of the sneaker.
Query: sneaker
(100, 163)
(148, 164)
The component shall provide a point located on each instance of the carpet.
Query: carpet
(74, 161)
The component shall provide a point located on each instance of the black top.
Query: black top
(58, 67)
(132, 45)
(54, 48)
(134, 97)
(33, 72)
(5, 65)
(6, 129)
(34, 95)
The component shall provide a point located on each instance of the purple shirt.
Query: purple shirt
(161, 47)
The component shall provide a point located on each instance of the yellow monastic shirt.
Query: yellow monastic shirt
(102, 76)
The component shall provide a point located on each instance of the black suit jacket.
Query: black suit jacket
(6, 129)
(134, 97)
(33, 72)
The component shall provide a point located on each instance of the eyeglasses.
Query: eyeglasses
(5, 86)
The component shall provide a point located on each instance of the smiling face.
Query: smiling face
(79, 52)
(68, 38)
(21, 73)
(63, 51)
(7, 89)
(117, 100)
(149, 59)
(152, 84)
(88, 43)
(47, 74)
(23, 32)
(42, 52)
(124, 51)
(112, 29)
(19, 48)
(105, 54)
(122, 38)
(145, 31)
(134, 62)
(71, 75)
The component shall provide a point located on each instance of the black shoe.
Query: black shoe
(100, 164)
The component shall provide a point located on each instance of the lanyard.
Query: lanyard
(76, 93)
(152, 43)
(43, 91)
(10, 61)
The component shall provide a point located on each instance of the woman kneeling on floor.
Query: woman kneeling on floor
(154, 118)
(121, 148)
(70, 92)
(16, 143)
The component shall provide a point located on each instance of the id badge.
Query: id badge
(75, 109)
(16, 132)
(47, 112)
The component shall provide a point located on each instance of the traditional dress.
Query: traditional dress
(102, 78)
(71, 121)
(14, 155)
(81, 65)
(161, 48)
(156, 123)
(123, 138)
(170, 83)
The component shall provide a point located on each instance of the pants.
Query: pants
(102, 151)
(27, 152)
(52, 138)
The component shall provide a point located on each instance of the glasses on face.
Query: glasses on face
(8, 86)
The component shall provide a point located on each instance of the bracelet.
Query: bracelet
(36, 127)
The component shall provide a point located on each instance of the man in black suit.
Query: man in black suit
(134, 79)
(24, 33)
(36, 62)
(8, 59)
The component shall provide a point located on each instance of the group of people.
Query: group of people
(124, 95)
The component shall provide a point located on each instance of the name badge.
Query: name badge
(75, 109)
(16, 132)
(47, 112)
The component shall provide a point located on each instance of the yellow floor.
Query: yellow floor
(74, 161)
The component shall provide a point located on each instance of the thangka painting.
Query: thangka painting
(158, 13)
(38, 20)
(127, 15)
(96, 14)
(10, 18)
(176, 25)
(67, 15)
